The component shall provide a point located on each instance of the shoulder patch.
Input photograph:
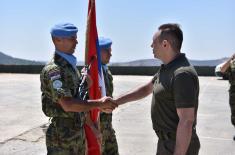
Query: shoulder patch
(54, 75)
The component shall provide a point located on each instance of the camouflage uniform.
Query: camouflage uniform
(109, 141)
(65, 134)
(231, 75)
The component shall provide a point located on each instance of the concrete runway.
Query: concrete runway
(23, 124)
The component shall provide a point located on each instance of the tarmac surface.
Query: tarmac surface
(22, 123)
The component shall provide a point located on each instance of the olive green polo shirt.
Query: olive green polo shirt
(175, 86)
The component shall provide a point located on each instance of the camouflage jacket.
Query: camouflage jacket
(58, 79)
(108, 79)
(231, 72)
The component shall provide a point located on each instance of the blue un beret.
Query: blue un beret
(64, 30)
(105, 42)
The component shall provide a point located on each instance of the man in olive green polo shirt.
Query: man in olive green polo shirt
(175, 89)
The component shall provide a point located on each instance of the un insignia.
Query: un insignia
(57, 84)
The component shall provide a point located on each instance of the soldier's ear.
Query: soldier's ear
(164, 43)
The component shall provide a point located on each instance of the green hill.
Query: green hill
(8, 60)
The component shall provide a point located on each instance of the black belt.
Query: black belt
(66, 122)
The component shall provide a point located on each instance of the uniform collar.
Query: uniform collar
(71, 59)
(175, 61)
(105, 67)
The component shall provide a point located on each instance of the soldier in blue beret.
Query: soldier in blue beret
(109, 141)
(60, 97)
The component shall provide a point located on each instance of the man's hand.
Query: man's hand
(110, 100)
(107, 104)
(232, 57)
(226, 65)
(89, 81)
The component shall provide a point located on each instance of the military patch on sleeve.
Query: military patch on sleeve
(54, 75)
(57, 84)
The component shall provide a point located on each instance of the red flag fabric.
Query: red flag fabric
(92, 53)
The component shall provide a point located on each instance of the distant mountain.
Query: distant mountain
(8, 60)
(156, 62)
(142, 62)
(208, 62)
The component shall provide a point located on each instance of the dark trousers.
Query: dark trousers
(167, 147)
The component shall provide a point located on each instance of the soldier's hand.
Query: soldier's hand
(108, 111)
(89, 81)
(107, 104)
(87, 77)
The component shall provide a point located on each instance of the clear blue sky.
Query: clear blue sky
(208, 26)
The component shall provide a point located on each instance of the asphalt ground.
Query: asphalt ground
(22, 123)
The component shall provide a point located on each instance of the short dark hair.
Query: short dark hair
(173, 34)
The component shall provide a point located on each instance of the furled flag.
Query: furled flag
(97, 90)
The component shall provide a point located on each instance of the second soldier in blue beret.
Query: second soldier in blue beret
(109, 141)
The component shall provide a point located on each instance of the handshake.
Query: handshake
(107, 104)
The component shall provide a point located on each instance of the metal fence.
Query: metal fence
(116, 70)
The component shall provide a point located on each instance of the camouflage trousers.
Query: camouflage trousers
(64, 140)
(232, 103)
(109, 141)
